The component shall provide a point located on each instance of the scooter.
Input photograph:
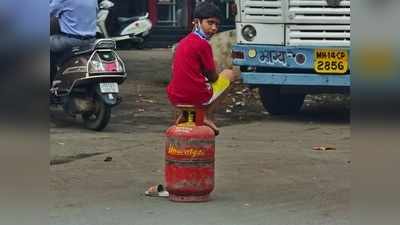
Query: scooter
(132, 29)
(87, 83)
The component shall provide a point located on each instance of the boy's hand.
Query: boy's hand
(212, 76)
(236, 71)
(230, 74)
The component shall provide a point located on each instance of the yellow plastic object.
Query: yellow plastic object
(220, 85)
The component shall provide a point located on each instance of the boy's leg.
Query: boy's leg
(220, 93)
(228, 75)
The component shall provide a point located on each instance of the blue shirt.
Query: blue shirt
(76, 17)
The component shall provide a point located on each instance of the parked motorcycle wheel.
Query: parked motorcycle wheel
(99, 118)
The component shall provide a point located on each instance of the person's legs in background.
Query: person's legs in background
(58, 45)
(61, 48)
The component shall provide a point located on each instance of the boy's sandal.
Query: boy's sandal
(214, 128)
(156, 191)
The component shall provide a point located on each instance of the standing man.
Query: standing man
(77, 26)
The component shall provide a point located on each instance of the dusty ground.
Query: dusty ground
(266, 170)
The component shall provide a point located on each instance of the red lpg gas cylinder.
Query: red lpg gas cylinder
(189, 158)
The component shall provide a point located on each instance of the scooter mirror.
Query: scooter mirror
(106, 4)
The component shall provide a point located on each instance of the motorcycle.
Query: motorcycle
(87, 83)
(133, 29)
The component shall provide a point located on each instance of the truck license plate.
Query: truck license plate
(109, 88)
(334, 61)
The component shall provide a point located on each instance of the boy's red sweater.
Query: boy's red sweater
(189, 84)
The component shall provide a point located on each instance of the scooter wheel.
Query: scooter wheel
(99, 118)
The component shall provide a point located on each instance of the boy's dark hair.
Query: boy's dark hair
(205, 10)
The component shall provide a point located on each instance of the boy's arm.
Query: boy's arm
(212, 76)
(207, 62)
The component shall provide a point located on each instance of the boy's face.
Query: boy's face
(210, 26)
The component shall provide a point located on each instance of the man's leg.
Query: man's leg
(58, 45)
(53, 68)
(61, 48)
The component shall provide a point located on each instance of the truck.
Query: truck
(291, 48)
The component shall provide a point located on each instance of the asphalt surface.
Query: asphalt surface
(266, 170)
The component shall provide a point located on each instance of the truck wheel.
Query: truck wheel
(277, 103)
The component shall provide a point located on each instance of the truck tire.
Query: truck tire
(277, 103)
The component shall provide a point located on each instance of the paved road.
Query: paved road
(266, 171)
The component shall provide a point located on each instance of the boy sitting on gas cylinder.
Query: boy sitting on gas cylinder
(194, 77)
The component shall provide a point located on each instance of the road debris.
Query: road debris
(108, 159)
(240, 103)
(239, 93)
(323, 148)
(148, 101)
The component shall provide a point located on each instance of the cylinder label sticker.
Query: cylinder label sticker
(189, 152)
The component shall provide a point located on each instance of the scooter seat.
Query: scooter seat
(128, 19)
(82, 50)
